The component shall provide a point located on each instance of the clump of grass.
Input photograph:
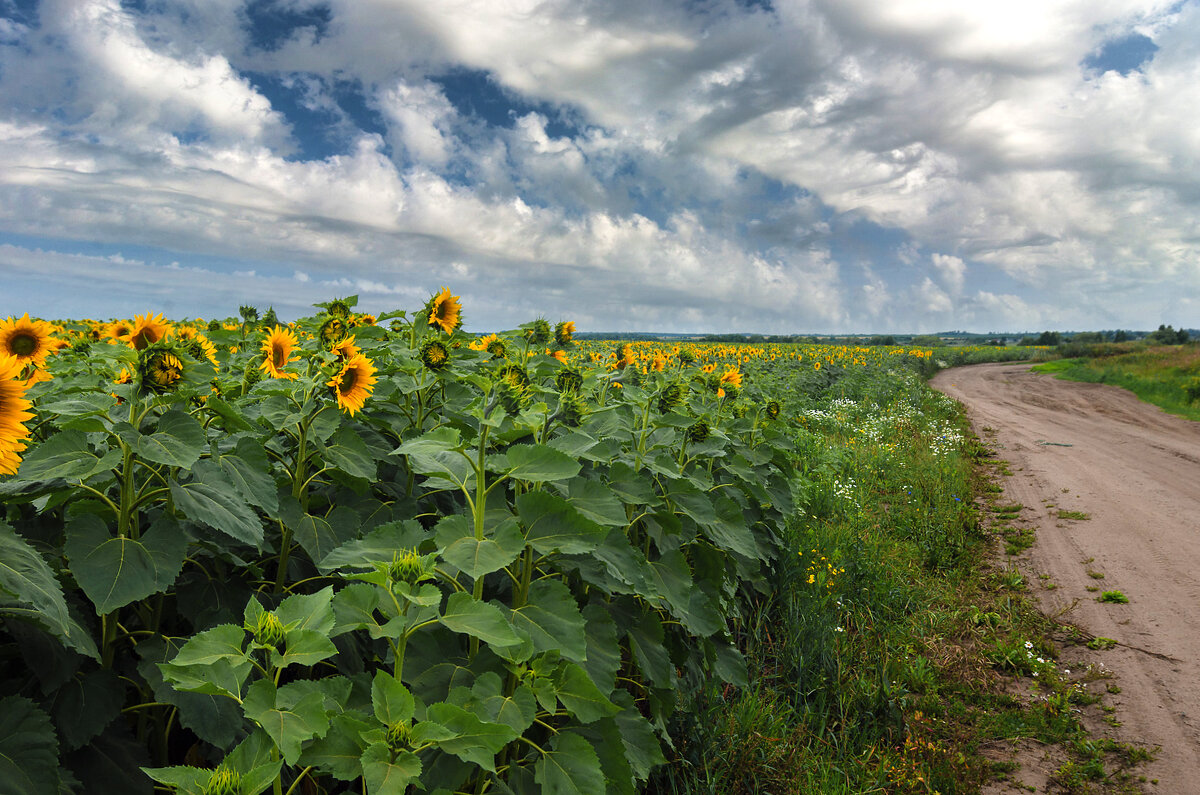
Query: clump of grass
(1113, 597)
(1101, 643)
(1078, 516)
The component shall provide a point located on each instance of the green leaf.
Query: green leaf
(28, 749)
(217, 504)
(467, 615)
(340, 750)
(477, 558)
(437, 453)
(537, 462)
(603, 648)
(222, 642)
(552, 525)
(630, 486)
(183, 779)
(378, 546)
(475, 740)
(214, 718)
(730, 665)
(552, 619)
(646, 642)
(308, 611)
(231, 418)
(177, 441)
(249, 470)
(289, 720)
(347, 451)
(221, 678)
(30, 591)
(85, 705)
(391, 700)
(596, 502)
(489, 703)
(580, 696)
(728, 529)
(642, 747)
(115, 571)
(571, 767)
(66, 454)
(303, 647)
(387, 776)
(315, 534)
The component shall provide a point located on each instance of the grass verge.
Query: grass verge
(1167, 376)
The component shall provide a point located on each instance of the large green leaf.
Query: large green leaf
(64, 455)
(552, 619)
(303, 647)
(536, 462)
(30, 591)
(488, 701)
(85, 705)
(552, 525)
(339, 752)
(308, 611)
(378, 546)
(390, 699)
(317, 535)
(603, 649)
(115, 571)
(474, 740)
(177, 441)
(473, 557)
(438, 453)
(597, 502)
(388, 775)
(467, 615)
(217, 504)
(290, 715)
(28, 749)
(248, 469)
(570, 767)
(222, 642)
(216, 719)
(642, 747)
(580, 696)
(346, 451)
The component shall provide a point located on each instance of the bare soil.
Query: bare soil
(1079, 449)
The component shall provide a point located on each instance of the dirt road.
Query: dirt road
(1135, 471)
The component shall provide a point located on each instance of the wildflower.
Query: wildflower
(434, 354)
(29, 341)
(445, 311)
(277, 350)
(354, 383)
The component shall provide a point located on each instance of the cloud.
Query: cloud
(661, 165)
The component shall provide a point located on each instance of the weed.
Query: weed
(1101, 643)
(1095, 575)
(1078, 516)
(1113, 597)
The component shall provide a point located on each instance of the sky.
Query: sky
(765, 166)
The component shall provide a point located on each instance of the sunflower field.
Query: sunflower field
(379, 554)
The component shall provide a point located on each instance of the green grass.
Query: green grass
(1167, 376)
(1113, 597)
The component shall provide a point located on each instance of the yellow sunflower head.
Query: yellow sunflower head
(29, 341)
(148, 329)
(445, 311)
(434, 354)
(332, 331)
(564, 333)
(277, 349)
(345, 350)
(354, 383)
(161, 369)
(14, 412)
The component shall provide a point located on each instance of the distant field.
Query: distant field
(1166, 375)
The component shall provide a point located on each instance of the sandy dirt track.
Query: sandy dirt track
(1135, 471)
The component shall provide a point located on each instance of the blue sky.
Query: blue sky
(793, 166)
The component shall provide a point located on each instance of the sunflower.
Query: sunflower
(560, 355)
(161, 370)
(445, 311)
(198, 346)
(625, 356)
(434, 355)
(564, 333)
(118, 331)
(148, 329)
(354, 383)
(332, 331)
(14, 412)
(276, 349)
(345, 350)
(29, 341)
(731, 378)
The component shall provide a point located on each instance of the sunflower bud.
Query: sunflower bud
(564, 333)
(332, 331)
(223, 781)
(397, 325)
(568, 380)
(407, 566)
(269, 318)
(697, 432)
(249, 314)
(538, 332)
(339, 309)
(513, 388)
(572, 409)
(772, 409)
(739, 409)
(214, 325)
(686, 356)
(399, 736)
(160, 369)
(671, 397)
(497, 348)
(434, 354)
(268, 630)
(252, 374)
